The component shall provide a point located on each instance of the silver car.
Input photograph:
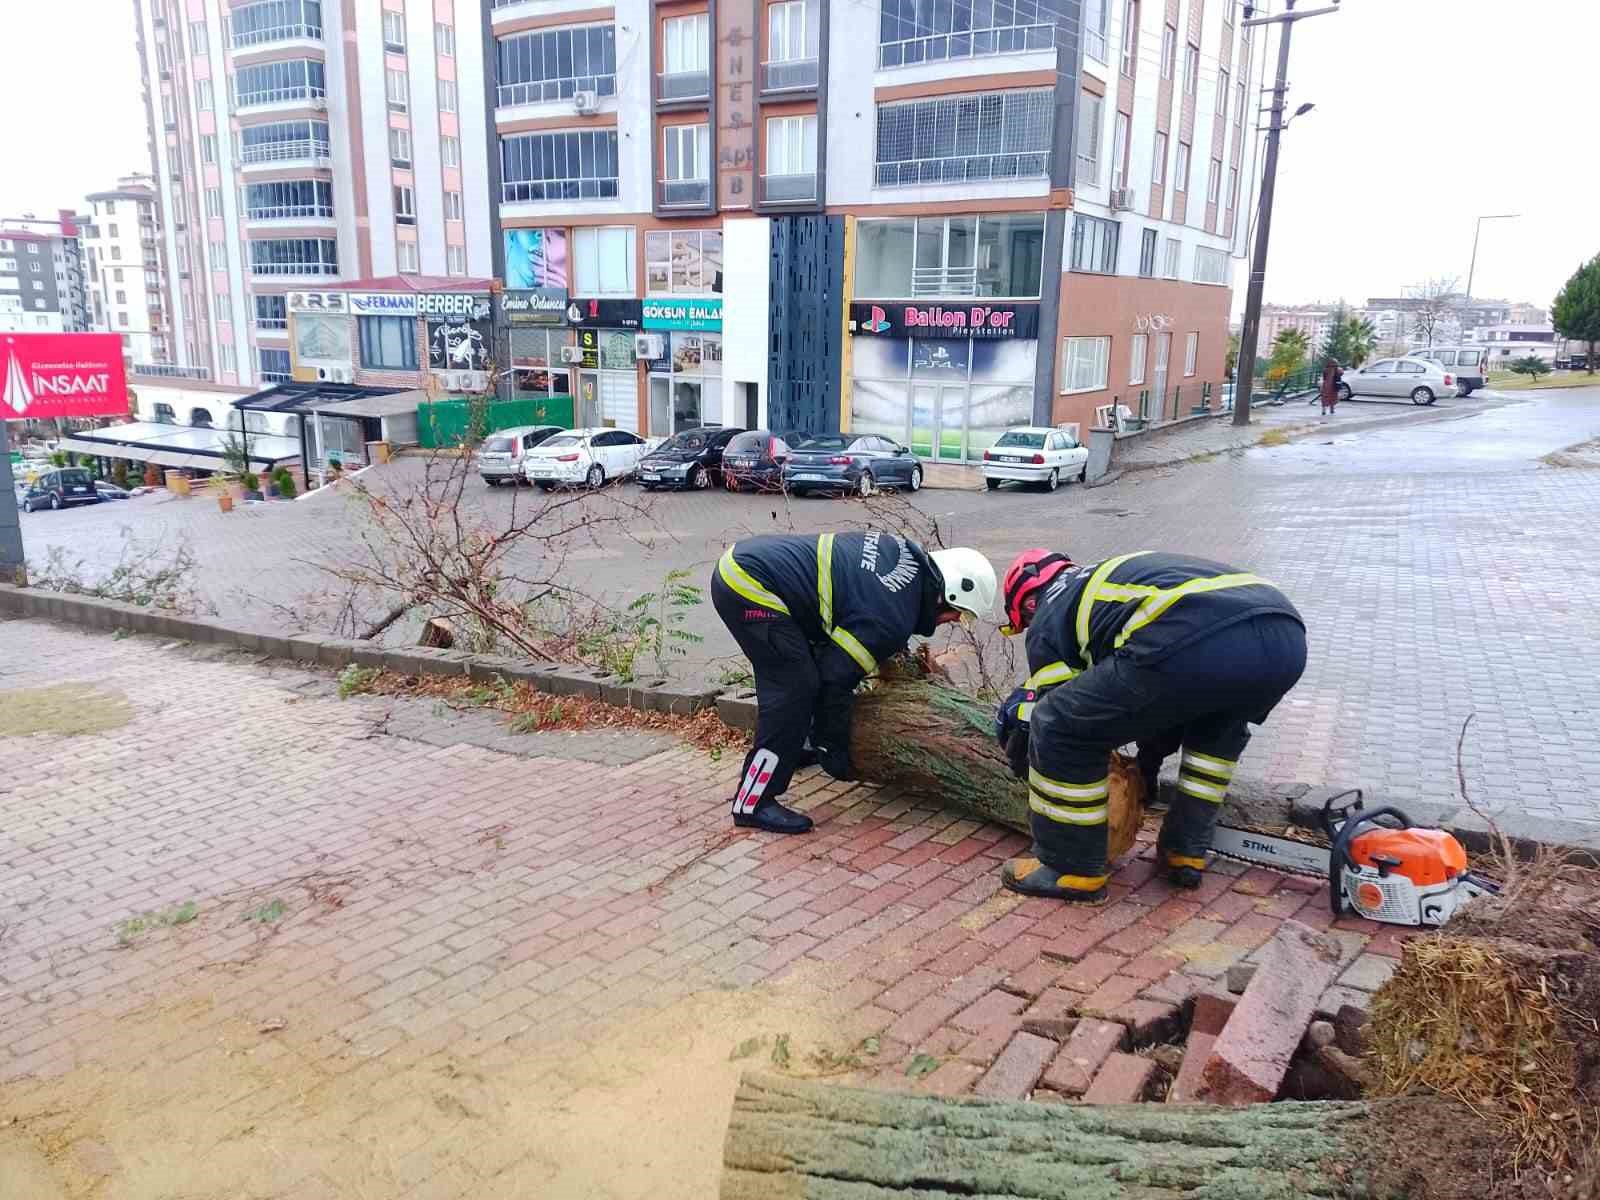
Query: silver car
(1417, 378)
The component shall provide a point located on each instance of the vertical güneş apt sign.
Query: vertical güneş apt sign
(47, 375)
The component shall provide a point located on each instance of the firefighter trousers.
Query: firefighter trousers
(1201, 699)
(787, 687)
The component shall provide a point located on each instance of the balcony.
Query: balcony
(288, 212)
(789, 189)
(310, 94)
(795, 75)
(542, 91)
(679, 87)
(292, 151)
(967, 43)
(169, 371)
(944, 281)
(684, 193)
(272, 324)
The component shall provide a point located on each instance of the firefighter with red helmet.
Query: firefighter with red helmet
(1169, 651)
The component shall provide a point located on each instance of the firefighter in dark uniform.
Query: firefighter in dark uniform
(1171, 652)
(815, 614)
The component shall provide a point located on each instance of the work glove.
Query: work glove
(1016, 748)
(1009, 718)
(835, 762)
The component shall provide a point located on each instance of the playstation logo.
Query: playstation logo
(878, 322)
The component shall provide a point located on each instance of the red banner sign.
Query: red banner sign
(62, 375)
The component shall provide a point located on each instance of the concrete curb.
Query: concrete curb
(1253, 803)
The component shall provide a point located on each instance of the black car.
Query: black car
(754, 459)
(691, 459)
(60, 488)
(850, 462)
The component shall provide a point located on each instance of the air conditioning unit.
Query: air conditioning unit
(647, 347)
(1121, 198)
(572, 355)
(586, 102)
(335, 374)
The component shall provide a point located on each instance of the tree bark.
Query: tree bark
(931, 739)
(794, 1138)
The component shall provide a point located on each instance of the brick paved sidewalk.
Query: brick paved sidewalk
(249, 935)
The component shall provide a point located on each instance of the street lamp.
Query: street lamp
(1476, 230)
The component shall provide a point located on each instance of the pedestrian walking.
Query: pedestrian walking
(1171, 652)
(1332, 373)
(814, 614)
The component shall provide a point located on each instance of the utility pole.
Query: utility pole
(11, 560)
(1249, 334)
(1476, 230)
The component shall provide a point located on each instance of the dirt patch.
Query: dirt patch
(63, 708)
(240, 1109)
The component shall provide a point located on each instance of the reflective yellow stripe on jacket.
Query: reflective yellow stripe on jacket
(1164, 599)
(745, 584)
(1153, 601)
(842, 638)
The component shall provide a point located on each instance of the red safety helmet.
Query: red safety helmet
(1028, 572)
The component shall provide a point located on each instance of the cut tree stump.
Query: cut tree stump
(915, 730)
(797, 1139)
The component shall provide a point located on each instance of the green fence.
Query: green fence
(443, 423)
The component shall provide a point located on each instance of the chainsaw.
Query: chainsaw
(1378, 864)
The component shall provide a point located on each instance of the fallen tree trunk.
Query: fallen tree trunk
(803, 1138)
(915, 730)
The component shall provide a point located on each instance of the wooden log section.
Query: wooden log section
(797, 1139)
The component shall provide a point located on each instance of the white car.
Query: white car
(586, 456)
(500, 456)
(1423, 381)
(1034, 454)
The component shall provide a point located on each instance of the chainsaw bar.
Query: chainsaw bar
(1266, 850)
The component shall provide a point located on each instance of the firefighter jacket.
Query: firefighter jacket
(1147, 604)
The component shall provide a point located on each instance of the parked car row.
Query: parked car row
(65, 487)
(759, 459)
(1423, 380)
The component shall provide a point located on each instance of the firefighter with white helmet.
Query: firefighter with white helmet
(815, 614)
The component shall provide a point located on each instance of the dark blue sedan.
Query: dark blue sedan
(850, 462)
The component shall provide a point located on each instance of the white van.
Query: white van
(1469, 364)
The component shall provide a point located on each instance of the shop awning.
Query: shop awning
(310, 397)
(179, 445)
(393, 404)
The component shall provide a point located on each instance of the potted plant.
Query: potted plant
(252, 485)
(285, 483)
(335, 470)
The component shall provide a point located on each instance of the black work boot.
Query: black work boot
(1030, 877)
(774, 818)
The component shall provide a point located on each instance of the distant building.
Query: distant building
(1527, 314)
(41, 276)
(128, 280)
(1503, 344)
(1313, 320)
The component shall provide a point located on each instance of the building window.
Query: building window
(208, 147)
(398, 89)
(197, 38)
(1191, 353)
(1172, 250)
(555, 64)
(791, 45)
(444, 40)
(559, 166)
(791, 159)
(276, 82)
(1130, 35)
(959, 139)
(225, 359)
(686, 164)
(406, 260)
(202, 94)
(684, 57)
(116, 252)
(274, 20)
(452, 206)
(602, 260)
(1191, 69)
(175, 160)
(916, 31)
(219, 255)
(1094, 29)
(998, 254)
(455, 260)
(1138, 346)
(122, 297)
(1214, 181)
(288, 198)
(1222, 94)
(294, 256)
(1158, 168)
(394, 31)
(400, 147)
(214, 203)
(111, 207)
(272, 312)
(274, 365)
(450, 150)
(1147, 254)
(1210, 265)
(1091, 108)
(1238, 104)
(388, 343)
(1169, 50)
(283, 141)
(1084, 363)
(117, 274)
(689, 261)
(1180, 170)
(447, 95)
(1233, 186)
(1094, 244)
(1119, 151)
(122, 317)
(405, 205)
(167, 116)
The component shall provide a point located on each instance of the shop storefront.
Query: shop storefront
(608, 378)
(536, 320)
(686, 375)
(946, 377)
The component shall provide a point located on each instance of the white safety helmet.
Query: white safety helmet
(969, 580)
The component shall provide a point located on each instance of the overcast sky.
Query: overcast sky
(1429, 112)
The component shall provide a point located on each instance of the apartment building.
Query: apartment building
(911, 219)
(41, 276)
(1313, 320)
(127, 278)
(298, 143)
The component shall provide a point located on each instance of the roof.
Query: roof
(179, 445)
(308, 397)
(411, 283)
(394, 404)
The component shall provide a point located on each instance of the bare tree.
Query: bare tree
(1435, 303)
